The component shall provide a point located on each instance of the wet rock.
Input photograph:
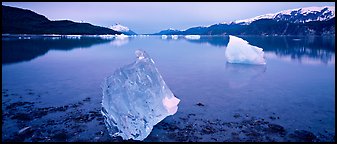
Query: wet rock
(200, 104)
(18, 104)
(304, 135)
(192, 114)
(208, 130)
(276, 128)
(60, 136)
(272, 117)
(237, 115)
(22, 116)
(87, 99)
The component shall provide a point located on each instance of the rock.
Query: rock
(304, 135)
(200, 104)
(276, 128)
(237, 115)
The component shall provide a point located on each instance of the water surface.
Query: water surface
(295, 89)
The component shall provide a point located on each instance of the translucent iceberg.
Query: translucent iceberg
(135, 98)
(239, 51)
(192, 37)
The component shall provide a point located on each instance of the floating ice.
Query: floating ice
(192, 37)
(239, 51)
(107, 36)
(135, 98)
(174, 36)
(163, 36)
(73, 36)
(121, 36)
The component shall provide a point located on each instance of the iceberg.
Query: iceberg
(239, 51)
(121, 36)
(174, 37)
(107, 36)
(192, 37)
(135, 98)
(163, 36)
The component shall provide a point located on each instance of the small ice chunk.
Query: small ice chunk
(135, 98)
(163, 36)
(239, 51)
(121, 36)
(107, 36)
(192, 37)
(73, 36)
(174, 37)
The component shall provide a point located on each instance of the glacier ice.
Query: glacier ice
(163, 36)
(135, 98)
(121, 36)
(192, 37)
(239, 51)
(174, 37)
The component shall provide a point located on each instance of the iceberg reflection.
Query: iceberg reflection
(242, 74)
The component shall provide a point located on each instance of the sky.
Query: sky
(152, 17)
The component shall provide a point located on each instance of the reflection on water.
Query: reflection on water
(25, 48)
(240, 75)
(119, 42)
(301, 49)
(218, 41)
(303, 96)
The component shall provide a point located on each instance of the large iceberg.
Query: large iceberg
(135, 98)
(239, 51)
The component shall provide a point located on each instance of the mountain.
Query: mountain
(123, 29)
(168, 31)
(22, 21)
(301, 21)
(299, 15)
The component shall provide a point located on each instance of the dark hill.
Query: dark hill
(21, 21)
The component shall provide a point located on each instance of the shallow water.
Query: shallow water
(295, 89)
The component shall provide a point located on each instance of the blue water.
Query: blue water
(297, 84)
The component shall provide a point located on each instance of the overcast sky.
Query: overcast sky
(152, 17)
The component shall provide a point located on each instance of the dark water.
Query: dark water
(51, 87)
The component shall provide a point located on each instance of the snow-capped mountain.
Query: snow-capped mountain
(122, 29)
(300, 21)
(299, 15)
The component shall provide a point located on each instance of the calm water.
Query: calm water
(297, 84)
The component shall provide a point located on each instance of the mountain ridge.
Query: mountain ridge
(319, 21)
(24, 21)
